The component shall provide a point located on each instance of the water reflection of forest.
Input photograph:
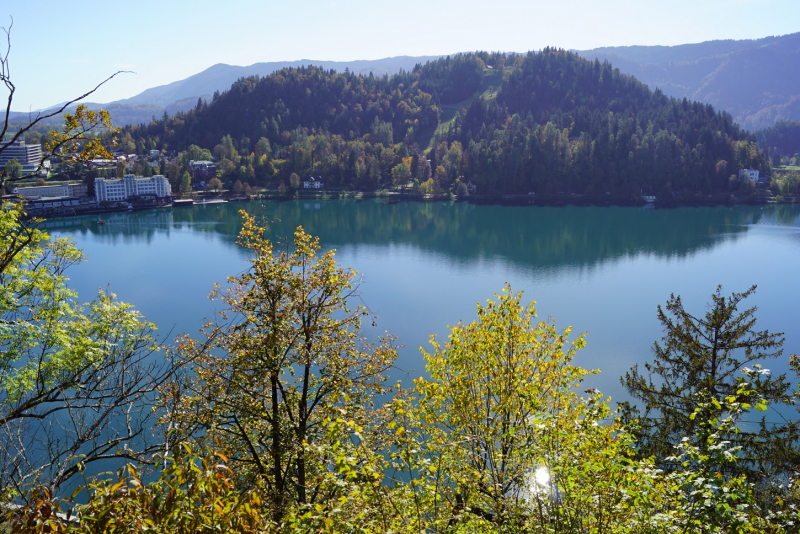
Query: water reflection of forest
(542, 236)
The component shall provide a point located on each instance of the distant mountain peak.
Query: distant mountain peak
(754, 79)
(220, 76)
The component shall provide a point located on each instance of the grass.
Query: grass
(490, 85)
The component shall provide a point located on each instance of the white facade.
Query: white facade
(313, 183)
(64, 190)
(748, 173)
(129, 186)
(29, 156)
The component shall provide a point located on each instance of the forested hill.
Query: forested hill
(782, 141)
(546, 122)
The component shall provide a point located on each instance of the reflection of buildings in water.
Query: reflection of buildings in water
(63, 223)
(133, 227)
(160, 218)
(142, 223)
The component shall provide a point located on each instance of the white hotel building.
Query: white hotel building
(130, 186)
(63, 190)
(29, 156)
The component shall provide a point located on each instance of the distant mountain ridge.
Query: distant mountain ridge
(182, 95)
(548, 123)
(757, 81)
(221, 76)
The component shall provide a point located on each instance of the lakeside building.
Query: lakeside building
(102, 163)
(29, 156)
(749, 173)
(313, 183)
(202, 170)
(130, 186)
(48, 191)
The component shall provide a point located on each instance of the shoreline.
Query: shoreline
(531, 200)
(396, 197)
(64, 211)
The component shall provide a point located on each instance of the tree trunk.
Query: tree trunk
(279, 488)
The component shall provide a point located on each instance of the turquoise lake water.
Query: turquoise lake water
(423, 266)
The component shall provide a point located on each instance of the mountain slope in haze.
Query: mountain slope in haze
(121, 114)
(757, 81)
(182, 95)
(221, 76)
(549, 123)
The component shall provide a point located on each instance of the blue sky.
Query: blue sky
(61, 48)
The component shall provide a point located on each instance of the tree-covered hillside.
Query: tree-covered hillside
(561, 123)
(546, 122)
(782, 141)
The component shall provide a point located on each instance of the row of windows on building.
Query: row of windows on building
(117, 190)
(130, 186)
(29, 156)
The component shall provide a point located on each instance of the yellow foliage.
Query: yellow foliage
(79, 142)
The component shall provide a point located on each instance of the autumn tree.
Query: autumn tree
(195, 492)
(77, 381)
(500, 441)
(489, 387)
(281, 365)
(263, 148)
(215, 184)
(423, 169)
(294, 181)
(401, 174)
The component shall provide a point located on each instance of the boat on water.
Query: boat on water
(101, 222)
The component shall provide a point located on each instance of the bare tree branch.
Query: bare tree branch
(5, 77)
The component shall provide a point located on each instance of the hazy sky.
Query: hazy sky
(61, 48)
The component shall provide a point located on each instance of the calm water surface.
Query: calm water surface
(424, 266)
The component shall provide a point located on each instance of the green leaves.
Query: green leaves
(500, 406)
(701, 357)
(706, 498)
(62, 361)
(283, 380)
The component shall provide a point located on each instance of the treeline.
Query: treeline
(551, 123)
(35, 134)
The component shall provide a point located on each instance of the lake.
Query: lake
(424, 266)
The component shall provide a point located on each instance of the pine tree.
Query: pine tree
(700, 361)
